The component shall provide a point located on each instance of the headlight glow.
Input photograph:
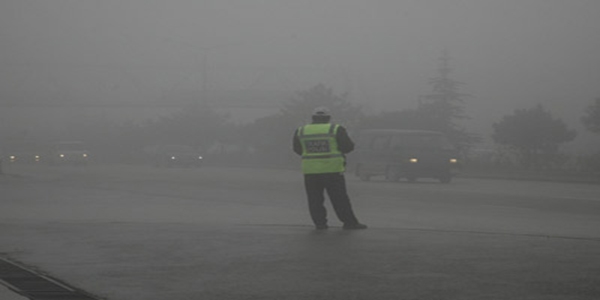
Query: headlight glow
(453, 160)
(37, 158)
(173, 157)
(85, 155)
(13, 158)
(413, 160)
(199, 157)
(61, 155)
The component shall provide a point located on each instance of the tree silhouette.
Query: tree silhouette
(444, 107)
(534, 133)
(300, 107)
(445, 102)
(196, 126)
(271, 136)
(591, 119)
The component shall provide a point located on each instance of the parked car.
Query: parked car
(69, 152)
(409, 154)
(173, 156)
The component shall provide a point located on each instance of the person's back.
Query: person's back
(322, 146)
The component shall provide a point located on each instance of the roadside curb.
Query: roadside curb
(35, 285)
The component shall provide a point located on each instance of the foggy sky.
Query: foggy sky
(510, 53)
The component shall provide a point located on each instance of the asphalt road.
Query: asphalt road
(130, 232)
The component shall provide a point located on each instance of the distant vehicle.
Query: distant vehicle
(22, 151)
(409, 154)
(69, 152)
(174, 156)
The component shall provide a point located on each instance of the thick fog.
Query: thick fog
(117, 211)
(98, 55)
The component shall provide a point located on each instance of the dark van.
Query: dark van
(409, 154)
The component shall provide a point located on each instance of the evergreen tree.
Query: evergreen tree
(444, 107)
(445, 102)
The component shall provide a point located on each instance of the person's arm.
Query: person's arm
(296, 143)
(345, 144)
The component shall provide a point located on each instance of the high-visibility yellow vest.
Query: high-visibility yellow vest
(320, 152)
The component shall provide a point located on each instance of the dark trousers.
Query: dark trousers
(335, 185)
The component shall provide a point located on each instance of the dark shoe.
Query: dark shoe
(355, 226)
(321, 227)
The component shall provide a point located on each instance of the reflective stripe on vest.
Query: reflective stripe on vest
(320, 152)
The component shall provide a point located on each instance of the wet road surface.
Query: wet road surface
(129, 232)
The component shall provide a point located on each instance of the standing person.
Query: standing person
(323, 146)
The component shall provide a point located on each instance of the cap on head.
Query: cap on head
(321, 111)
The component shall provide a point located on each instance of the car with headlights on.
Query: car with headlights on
(174, 155)
(69, 153)
(409, 154)
(26, 151)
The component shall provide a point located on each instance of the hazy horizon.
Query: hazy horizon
(510, 54)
